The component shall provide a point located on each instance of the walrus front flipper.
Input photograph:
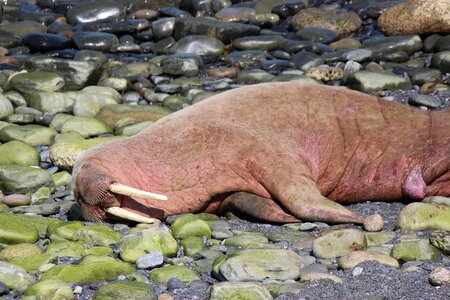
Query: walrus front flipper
(292, 184)
(257, 207)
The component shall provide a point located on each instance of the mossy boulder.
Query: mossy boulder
(63, 230)
(97, 235)
(182, 273)
(32, 263)
(190, 225)
(125, 290)
(19, 153)
(19, 250)
(13, 230)
(424, 216)
(51, 290)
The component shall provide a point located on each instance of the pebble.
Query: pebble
(440, 276)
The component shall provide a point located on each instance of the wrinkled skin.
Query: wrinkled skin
(295, 150)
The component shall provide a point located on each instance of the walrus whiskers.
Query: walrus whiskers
(133, 192)
(128, 215)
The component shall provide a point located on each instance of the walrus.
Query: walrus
(283, 151)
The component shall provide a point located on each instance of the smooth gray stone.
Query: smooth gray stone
(408, 44)
(426, 100)
(305, 60)
(320, 35)
(99, 41)
(100, 11)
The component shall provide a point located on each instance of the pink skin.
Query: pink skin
(296, 150)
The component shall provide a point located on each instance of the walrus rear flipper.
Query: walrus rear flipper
(257, 207)
(299, 194)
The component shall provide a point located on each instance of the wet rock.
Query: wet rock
(18, 153)
(426, 100)
(424, 75)
(441, 240)
(110, 114)
(136, 244)
(6, 107)
(338, 243)
(235, 14)
(96, 12)
(442, 44)
(239, 290)
(441, 60)
(416, 249)
(190, 225)
(370, 81)
(257, 265)
(63, 154)
(192, 245)
(254, 76)
(91, 40)
(352, 259)
(91, 99)
(39, 81)
(23, 179)
(150, 260)
(320, 35)
(430, 16)
(182, 273)
(408, 44)
(97, 235)
(224, 31)
(440, 276)
(13, 276)
(424, 216)
(305, 60)
(90, 270)
(183, 65)
(263, 42)
(342, 22)
(86, 126)
(76, 73)
(163, 28)
(357, 55)
(126, 289)
(372, 8)
(43, 42)
(34, 135)
(9, 39)
(22, 28)
(50, 289)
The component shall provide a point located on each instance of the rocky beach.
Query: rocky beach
(76, 74)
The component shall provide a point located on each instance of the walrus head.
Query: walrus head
(99, 195)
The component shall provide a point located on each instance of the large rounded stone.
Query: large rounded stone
(416, 17)
(34, 135)
(98, 41)
(417, 249)
(52, 102)
(23, 179)
(86, 126)
(370, 81)
(19, 250)
(15, 231)
(352, 259)
(14, 276)
(110, 114)
(198, 44)
(43, 42)
(125, 289)
(342, 22)
(424, 216)
(50, 289)
(136, 244)
(239, 290)
(22, 28)
(182, 273)
(97, 235)
(38, 81)
(18, 153)
(190, 225)
(6, 107)
(258, 265)
(101, 11)
(338, 243)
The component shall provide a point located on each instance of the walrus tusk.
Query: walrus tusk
(128, 215)
(130, 191)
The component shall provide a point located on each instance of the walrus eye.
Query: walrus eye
(132, 192)
(128, 215)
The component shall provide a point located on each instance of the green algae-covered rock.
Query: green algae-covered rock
(338, 243)
(63, 154)
(19, 153)
(136, 244)
(190, 225)
(415, 249)
(378, 238)
(19, 250)
(62, 178)
(63, 230)
(192, 245)
(13, 230)
(239, 290)
(352, 259)
(248, 241)
(14, 276)
(132, 129)
(6, 107)
(125, 290)
(52, 102)
(41, 196)
(23, 179)
(32, 263)
(97, 235)
(99, 251)
(86, 126)
(39, 222)
(258, 264)
(34, 135)
(424, 216)
(66, 248)
(441, 240)
(110, 114)
(162, 275)
(51, 290)
(39, 81)
(90, 271)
